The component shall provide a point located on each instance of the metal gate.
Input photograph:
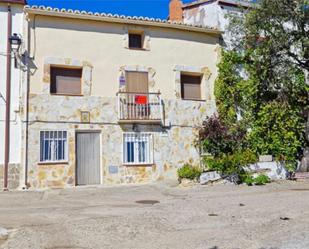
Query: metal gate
(88, 158)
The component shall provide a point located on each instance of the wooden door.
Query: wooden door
(88, 158)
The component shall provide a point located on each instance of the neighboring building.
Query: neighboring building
(114, 99)
(209, 13)
(10, 10)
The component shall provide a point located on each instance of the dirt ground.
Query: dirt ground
(208, 217)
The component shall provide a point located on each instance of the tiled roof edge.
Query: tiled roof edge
(108, 17)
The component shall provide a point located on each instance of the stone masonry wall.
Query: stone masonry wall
(13, 176)
(173, 142)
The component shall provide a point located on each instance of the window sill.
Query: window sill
(65, 94)
(138, 49)
(138, 164)
(53, 163)
(198, 100)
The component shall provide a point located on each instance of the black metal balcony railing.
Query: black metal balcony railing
(140, 107)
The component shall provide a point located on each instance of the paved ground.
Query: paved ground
(208, 217)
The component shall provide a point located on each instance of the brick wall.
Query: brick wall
(175, 8)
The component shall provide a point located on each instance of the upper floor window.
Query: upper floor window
(136, 40)
(53, 146)
(191, 87)
(66, 81)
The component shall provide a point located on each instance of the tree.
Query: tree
(266, 68)
(278, 30)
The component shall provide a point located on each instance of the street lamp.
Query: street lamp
(15, 42)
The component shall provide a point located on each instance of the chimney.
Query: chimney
(175, 10)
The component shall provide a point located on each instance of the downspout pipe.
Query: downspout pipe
(8, 101)
(26, 104)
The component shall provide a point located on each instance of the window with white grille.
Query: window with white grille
(137, 148)
(53, 146)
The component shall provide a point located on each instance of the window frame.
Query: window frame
(149, 149)
(53, 150)
(65, 68)
(139, 33)
(182, 86)
(127, 73)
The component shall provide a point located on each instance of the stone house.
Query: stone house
(113, 99)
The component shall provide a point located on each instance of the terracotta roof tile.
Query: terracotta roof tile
(106, 16)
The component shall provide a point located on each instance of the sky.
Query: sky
(150, 8)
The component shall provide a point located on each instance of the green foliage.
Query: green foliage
(261, 91)
(277, 32)
(261, 180)
(189, 172)
(228, 164)
(249, 180)
(227, 86)
(278, 131)
(227, 147)
(219, 139)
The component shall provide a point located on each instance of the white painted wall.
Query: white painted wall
(17, 27)
(212, 14)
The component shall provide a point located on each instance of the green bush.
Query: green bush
(249, 180)
(189, 172)
(227, 147)
(232, 163)
(217, 138)
(279, 131)
(261, 180)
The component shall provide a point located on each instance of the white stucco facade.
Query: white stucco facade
(215, 14)
(16, 84)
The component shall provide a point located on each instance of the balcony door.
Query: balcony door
(137, 95)
(137, 82)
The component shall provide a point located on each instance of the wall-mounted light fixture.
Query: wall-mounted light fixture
(15, 42)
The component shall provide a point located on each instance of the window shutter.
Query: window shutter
(66, 81)
(137, 82)
(191, 87)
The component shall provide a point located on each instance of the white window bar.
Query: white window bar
(137, 148)
(53, 146)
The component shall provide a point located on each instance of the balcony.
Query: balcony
(144, 108)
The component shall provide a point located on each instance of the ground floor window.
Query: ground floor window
(53, 146)
(137, 148)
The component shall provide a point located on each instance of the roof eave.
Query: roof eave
(112, 19)
(18, 2)
(223, 2)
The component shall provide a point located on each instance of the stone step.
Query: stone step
(301, 175)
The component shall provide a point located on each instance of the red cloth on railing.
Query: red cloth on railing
(141, 99)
